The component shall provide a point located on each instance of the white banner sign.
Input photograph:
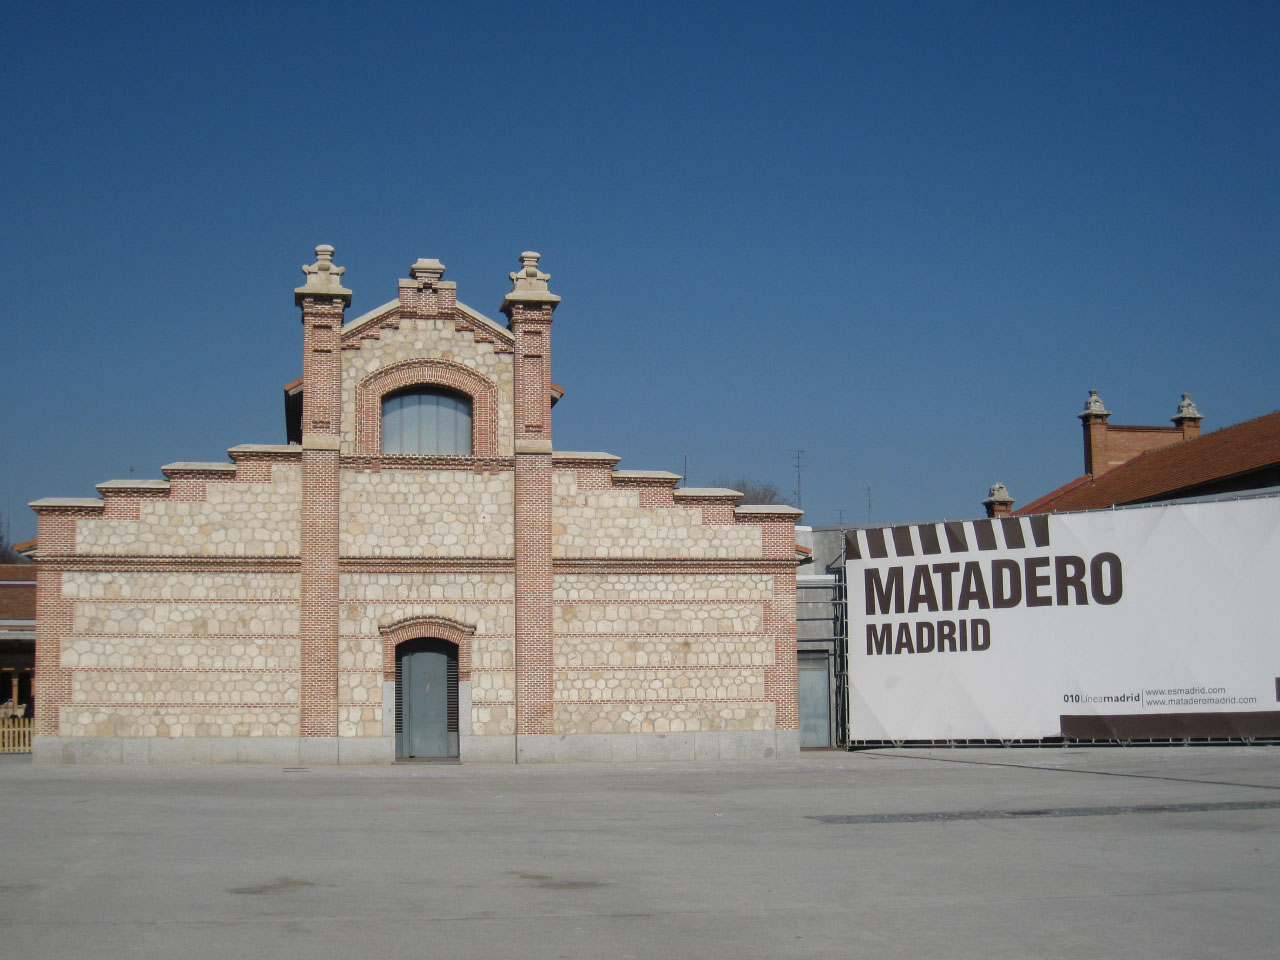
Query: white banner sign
(1017, 627)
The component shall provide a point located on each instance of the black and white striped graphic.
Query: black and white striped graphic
(959, 536)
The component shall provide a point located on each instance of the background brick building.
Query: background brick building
(17, 637)
(420, 574)
(1126, 464)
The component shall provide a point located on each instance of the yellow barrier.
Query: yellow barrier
(15, 735)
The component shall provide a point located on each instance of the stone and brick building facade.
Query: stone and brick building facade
(287, 605)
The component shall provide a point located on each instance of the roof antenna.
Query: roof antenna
(799, 469)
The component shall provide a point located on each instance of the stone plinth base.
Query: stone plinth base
(655, 747)
(284, 751)
(323, 751)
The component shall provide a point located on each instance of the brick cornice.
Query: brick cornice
(627, 565)
(405, 461)
(426, 565)
(88, 563)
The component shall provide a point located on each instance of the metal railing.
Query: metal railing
(15, 735)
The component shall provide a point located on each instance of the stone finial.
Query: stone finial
(998, 502)
(529, 284)
(427, 272)
(1093, 407)
(529, 277)
(1187, 410)
(324, 277)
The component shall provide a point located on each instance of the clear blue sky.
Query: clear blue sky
(904, 237)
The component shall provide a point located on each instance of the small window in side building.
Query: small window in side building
(426, 421)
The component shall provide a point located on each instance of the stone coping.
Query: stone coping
(708, 493)
(193, 466)
(374, 314)
(491, 325)
(662, 475)
(133, 485)
(527, 296)
(593, 456)
(760, 509)
(82, 502)
(291, 449)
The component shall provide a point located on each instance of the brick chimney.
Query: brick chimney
(1094, 418)
(998, 503)
(1188, 418)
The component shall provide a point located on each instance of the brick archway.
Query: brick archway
(416, 628)
(427, 373)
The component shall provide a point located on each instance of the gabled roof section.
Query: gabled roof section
(372, 318)
(368, 324)
(490, 326)
(1038, 506)
(1231, 451)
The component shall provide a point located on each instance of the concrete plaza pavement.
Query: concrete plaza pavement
(1142, 852)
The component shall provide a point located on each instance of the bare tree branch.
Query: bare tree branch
(753, 491)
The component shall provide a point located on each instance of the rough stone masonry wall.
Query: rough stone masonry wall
(181, 654)
(422, 339)
(662, 652)
(657, 650)
(611, 524)
(372, 601)
(427, 513)
(229, 519)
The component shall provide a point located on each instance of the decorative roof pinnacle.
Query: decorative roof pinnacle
(324, 277)
(529, 284)
(1093, 407)
(427, 272)
(1187, 410)
(999, 494)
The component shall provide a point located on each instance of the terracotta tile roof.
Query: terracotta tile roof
(1223, 453)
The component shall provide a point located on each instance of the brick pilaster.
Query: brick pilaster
(55, 615)
(529, 307)
(778, 542)
(535, 627)
(323, 301)
(52, 683)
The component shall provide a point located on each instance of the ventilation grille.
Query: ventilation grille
(399, 697)
(453, 691)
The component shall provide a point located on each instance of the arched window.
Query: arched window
(426, 421)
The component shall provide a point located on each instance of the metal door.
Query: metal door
(815, 699)
(427, 700)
